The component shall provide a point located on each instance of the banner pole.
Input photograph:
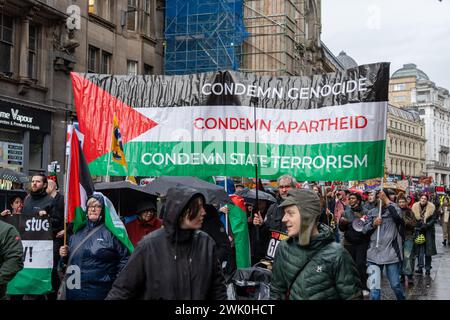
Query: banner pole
(379, 214)
(66, 187)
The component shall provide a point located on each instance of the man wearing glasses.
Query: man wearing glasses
(273, 221)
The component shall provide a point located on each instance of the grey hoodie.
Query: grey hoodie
(390, 248)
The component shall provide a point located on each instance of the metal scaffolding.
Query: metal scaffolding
(276, 42)
(203, 35)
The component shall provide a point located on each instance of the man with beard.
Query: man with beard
(38, 201)
(355, 241)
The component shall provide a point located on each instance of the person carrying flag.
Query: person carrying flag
(99, 247)
(94, 256)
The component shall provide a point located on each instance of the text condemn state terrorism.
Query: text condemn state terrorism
(284, 162)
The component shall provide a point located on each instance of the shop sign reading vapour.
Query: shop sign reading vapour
(25, 118)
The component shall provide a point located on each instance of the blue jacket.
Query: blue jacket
(100, 259)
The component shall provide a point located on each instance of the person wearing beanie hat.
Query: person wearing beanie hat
(146, 222)
(355, 241)
(310, 265)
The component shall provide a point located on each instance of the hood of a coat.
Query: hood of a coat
(324, 237)
(176, 200)
(101, 219)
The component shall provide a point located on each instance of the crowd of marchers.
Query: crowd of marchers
(339, 244)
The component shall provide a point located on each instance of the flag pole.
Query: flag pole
(379, 214)
(109, 156)
(66, 188)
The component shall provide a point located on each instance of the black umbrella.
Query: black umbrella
(214, 194)
(251, 195)
(125, 195)
(14, 176)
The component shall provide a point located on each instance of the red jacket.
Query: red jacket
(137, 229)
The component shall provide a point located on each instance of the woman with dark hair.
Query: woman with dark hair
(94, 256)
(16, 205)
(177, 262)
(408, 227)
(426, 216)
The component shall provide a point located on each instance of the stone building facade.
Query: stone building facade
(411, 88)
(41, 42)
(405, 144)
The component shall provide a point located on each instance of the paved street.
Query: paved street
(433, 287)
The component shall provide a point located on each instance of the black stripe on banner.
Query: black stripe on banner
(366, 83)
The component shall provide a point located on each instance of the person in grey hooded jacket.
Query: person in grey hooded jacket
(385, 248)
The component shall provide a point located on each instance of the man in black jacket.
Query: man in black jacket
(273, 220)
(11, 252)
(177, 262)
(38, 201)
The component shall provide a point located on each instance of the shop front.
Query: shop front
(24, 138)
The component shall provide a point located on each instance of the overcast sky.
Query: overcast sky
(396, 31)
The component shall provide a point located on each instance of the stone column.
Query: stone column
(25, 39)
(23, 47)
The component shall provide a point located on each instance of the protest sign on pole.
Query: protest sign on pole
(36, 276)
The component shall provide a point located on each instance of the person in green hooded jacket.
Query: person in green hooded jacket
(310, 265)
(11, 252)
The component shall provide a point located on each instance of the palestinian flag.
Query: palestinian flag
(114, 224)
(238, 222)
(81, 188)
(80, 185)
(318, 128)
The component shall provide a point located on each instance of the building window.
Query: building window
(148, 69)
(93, 59)
(132, 67)
(106, 63)
(32, 61)
(400, 99)
(36, 160)
(100, 8)
(399, 87)
(132, 15)
(6, 42)
(148, 23)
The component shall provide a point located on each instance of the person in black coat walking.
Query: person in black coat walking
(177, 262)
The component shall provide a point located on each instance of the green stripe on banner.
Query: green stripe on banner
(239, 228)
(31, 281)
(316, 162)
